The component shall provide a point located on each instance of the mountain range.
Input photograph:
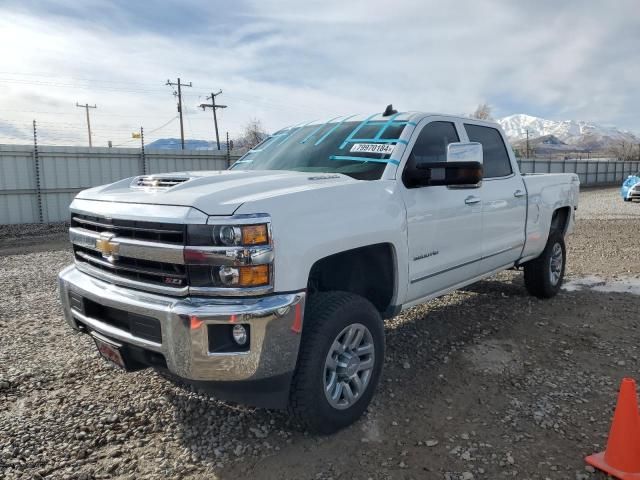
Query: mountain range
(565, 134)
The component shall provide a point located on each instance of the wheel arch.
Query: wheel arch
(560, 220)
(369, 271)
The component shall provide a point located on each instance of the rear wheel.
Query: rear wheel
(543, 276)
(340, 361)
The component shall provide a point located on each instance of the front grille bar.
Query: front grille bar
(110, 226)
(134, 229)
(143, 271)
(107, 276)
(130, 248)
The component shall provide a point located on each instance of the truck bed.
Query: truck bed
(546, 192)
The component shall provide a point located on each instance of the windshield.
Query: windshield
(358, 149)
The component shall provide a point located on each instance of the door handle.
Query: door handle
(471, 200)
(519, 193)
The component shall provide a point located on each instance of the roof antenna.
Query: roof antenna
(389, 111)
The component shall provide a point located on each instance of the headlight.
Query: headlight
(230, 257)
(228, 235)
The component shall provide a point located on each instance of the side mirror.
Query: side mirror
(465, 152)
(462, 168)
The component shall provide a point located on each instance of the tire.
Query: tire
(538, 278)
(626, 199)
(328, 318)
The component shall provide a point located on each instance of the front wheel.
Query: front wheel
(543, 276)
(340, 361)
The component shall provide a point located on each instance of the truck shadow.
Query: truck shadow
(223, 436)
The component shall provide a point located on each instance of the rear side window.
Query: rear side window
(496, 158)
(431, 145)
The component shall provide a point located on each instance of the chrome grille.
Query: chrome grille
(140, 254)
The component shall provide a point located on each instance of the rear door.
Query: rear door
(504, 200)
(444, 224)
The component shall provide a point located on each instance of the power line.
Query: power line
(179, 94)
(79, 86)
(214, 107)
(245, 98)
(102, 114)
(86, 106)
(162, 126)
(149, 131)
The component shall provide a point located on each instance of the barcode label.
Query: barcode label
(372, 148)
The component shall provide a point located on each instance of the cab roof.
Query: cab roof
(409, 117)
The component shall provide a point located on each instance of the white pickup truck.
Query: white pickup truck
(268, 283)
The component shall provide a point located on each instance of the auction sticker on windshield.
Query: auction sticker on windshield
(372, 148)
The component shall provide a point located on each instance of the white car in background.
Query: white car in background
(630, 189)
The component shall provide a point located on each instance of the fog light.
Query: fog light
(240, 334)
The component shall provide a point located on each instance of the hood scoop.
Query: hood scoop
(155, 182)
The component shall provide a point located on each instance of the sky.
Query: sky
(284, 62)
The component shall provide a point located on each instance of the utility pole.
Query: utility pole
(527, 143)
(179, 95)
(214, 107)
(140, 135)
(86, 106)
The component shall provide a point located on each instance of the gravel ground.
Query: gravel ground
(486, 382)
(597, 203)
(33, 237)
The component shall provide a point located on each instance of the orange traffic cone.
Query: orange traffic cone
(621, 459)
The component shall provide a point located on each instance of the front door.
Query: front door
(444, 224)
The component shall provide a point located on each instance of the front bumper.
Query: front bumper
(633, 194)
(275, 325)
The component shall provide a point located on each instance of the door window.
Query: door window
(496, 159)
(431, 146)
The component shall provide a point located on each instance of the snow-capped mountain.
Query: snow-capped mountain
(575, 133)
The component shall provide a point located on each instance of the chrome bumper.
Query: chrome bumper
(275, 324)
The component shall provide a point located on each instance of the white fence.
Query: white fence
(37, 187)
(603, 171)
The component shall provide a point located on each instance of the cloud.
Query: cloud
(17, 135)
(285, 62)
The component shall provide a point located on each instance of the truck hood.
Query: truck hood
(212, 192)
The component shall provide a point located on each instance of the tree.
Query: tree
(252, 134)
(483, 112)
(625, 151)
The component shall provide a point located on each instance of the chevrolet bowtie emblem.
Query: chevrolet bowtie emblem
(107, 246)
